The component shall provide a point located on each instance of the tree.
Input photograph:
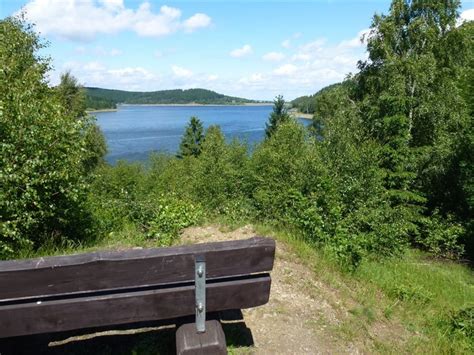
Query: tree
(42, 149)
(72, 95)
(73, 100)
(410, 102)
(192, 139)
(277, 117)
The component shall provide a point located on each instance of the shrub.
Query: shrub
(169, 216)
(441, 236)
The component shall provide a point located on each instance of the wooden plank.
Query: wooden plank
(162, 303)
(124, 269)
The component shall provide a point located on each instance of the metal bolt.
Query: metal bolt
(200, 307)
(200, 271)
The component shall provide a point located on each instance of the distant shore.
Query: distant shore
(196, 104)
(306, 116)
(102, 110)
(180, 105)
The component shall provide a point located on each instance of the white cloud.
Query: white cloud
(97, 51)
(130, 73)
(314, 46)
(308, 66)
(95, 73)
(286, 43)
(286, 69)
(241, 52)
(252, 79)
(273, 56)
(84, 19)
(93, 66)
(180, 72)
(196, 21)
(301, 56)
(311, 66)
(358, 41)
(467, 15)
(112, 4)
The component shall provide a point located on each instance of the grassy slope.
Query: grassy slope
(416, 292)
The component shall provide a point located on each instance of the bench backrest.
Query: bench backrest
(106, 288)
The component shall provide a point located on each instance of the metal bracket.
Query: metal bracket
(200, 286)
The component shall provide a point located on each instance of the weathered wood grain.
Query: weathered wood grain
(122, 308)
(61, 275)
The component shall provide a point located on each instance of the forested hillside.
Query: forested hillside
(307, 104)
(98, 98)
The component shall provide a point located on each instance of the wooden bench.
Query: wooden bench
(63, 293)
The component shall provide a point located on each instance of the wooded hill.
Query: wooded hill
(307, 104)
(98, 98)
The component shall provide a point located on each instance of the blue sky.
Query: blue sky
(253, 49)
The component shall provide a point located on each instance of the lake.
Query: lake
(133, 131)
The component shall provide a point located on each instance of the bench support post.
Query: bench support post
(190, 342)
(200, 289)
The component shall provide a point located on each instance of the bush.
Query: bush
(115, 196)
(169, 216)
(441, 236)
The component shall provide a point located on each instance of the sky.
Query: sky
(251, 49)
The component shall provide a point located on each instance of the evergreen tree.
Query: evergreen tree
(192, 139)
(277, 117)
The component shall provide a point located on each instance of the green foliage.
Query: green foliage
(42, 144)
(122, 194)
(442, 237)
(72, 98)
(98, 103)
(310, 104)
(96, 147)
(462, 321)
(277, 117)
(115, 195)
(192, 139)
(410, 104)
(169, 217)
(221, 171)
(387, 161)
(71, 95)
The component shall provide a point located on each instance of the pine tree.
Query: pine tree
(277, 117)
(192, 139)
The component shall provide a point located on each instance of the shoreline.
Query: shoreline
(102, 110)
(305, 116)
(196, 104)
(257, 104)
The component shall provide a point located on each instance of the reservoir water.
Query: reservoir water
(133, 132)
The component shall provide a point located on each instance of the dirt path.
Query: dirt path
(301, 311)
